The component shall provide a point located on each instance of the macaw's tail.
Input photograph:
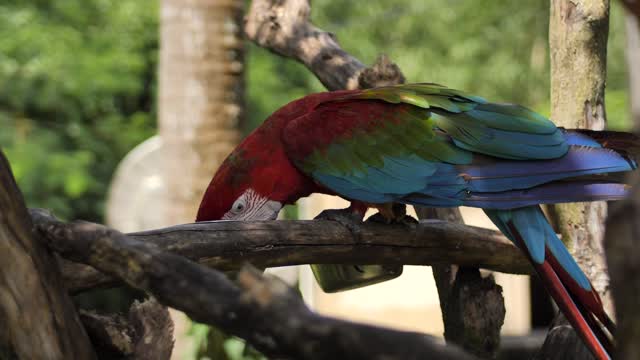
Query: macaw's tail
(593, 169)
(528, 228)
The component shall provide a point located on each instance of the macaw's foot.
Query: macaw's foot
(393, 214)
(347, 217)
(338, 277)
(380, 219)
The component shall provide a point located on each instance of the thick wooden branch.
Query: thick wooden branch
(37, 316)
(262, 310)
(225, 245)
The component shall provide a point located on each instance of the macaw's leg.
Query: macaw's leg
(392, 213)
(338, 277)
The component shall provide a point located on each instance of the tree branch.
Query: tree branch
(224, 245)
(262, 310)
(283, 26)
(37, 316)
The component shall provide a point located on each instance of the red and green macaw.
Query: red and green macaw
(425, 144)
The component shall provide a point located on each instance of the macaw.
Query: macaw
(428, 145)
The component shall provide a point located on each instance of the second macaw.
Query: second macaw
(428, 145)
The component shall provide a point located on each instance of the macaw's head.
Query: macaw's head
(258, 178)
(242, 189)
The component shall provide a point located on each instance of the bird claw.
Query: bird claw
(378, 218)
(347, 218)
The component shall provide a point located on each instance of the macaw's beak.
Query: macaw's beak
(271, 209)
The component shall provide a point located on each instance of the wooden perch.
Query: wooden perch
(225, 245)
(37, 317)
(263, 310)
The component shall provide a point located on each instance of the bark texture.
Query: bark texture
(283, 26)
(146, 333)
(38, 318)
(200, 95)
(578, 31)
(280, 323)
(226, 245)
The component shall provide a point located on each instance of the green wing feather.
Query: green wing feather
(424, 132)
(474, 124)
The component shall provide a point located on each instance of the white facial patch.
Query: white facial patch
(251, 206)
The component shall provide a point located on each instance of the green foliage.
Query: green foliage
(266, 92)
(212, 344)
(77, 89)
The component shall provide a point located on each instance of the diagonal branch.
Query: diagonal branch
(283, 26)
(226, 244)
(260, 309)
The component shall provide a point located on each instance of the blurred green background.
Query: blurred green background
(78, 78)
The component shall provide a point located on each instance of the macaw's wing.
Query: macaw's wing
(430, 145)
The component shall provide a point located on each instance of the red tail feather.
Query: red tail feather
(588, 302)
(577, 305)
(572, 312)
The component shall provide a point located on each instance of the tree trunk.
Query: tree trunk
(38, 318)
(578, 31)
(201, 104)
(200, 95)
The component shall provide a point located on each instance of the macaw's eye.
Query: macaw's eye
(238, 206)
